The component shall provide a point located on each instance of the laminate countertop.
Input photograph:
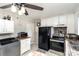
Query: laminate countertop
(22, 38)
(72, 48)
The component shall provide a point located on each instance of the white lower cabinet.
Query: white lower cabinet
(25, 45)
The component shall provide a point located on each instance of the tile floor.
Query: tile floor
(41, 52)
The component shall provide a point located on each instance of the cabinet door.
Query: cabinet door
(78, 26)
(2, 24)
(54, 21)
(71, 23)
(28, 44)
(43, 22)
(9, 28)
(25, 45)
(62, 20)
(6, 26)
(49, 21)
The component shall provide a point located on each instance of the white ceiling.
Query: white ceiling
(50, 9)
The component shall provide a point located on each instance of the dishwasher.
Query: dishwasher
(9, 47)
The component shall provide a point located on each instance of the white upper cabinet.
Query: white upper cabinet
(9, 26)
(62, 19)
(6, 26)
(68, 20)
(43, 22)
(2, 26)
(50, 21)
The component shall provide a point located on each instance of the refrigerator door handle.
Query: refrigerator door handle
(48, 34)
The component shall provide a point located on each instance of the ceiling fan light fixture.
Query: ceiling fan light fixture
(13, 8)
(20, 12)
(23, 9)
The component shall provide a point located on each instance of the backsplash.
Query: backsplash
(60, 31)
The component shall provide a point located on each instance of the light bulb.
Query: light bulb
(13, 8)
(22, 9)
(20, 12)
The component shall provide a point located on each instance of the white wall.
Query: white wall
(67, 19)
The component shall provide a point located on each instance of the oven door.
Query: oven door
(57, 46)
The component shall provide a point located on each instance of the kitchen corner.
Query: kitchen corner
(72, 44)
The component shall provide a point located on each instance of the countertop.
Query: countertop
(72, 49)
(22, 38)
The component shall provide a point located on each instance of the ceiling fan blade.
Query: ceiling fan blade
(6, 6)
(26, 13)
(33, 6)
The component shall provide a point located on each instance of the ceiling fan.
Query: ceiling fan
(20, 5)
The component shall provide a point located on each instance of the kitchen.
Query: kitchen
(26, 28)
